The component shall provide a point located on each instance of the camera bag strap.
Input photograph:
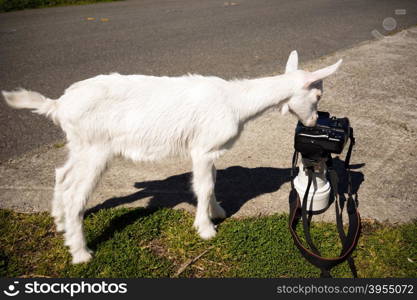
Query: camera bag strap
(298, 211)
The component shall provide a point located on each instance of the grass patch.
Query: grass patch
(9, 5)
(157, 243)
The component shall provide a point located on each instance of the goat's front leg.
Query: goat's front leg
(203, 184)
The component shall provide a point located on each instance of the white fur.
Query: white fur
(148, 118)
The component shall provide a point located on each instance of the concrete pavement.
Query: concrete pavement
(46, 50)
(375, 88)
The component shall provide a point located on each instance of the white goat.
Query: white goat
(148, 118)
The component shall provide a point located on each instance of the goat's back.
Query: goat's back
(159, 115)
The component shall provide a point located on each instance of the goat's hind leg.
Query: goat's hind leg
(78, 186)
(58, 209)
(216, 211)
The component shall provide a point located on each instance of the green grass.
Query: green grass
(9, 5)
(156, 243)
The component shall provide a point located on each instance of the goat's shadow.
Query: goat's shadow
(234, 187)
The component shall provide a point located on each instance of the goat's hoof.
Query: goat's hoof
(82, 256)
(206, 232)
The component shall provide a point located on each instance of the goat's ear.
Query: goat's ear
(284, 109)
(322, 73)
(292, 62)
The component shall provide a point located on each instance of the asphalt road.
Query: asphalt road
(48, 49)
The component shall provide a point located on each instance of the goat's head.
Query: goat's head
(307, 90)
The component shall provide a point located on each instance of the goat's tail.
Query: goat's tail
(39, 104)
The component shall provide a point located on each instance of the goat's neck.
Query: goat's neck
(257, 95)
